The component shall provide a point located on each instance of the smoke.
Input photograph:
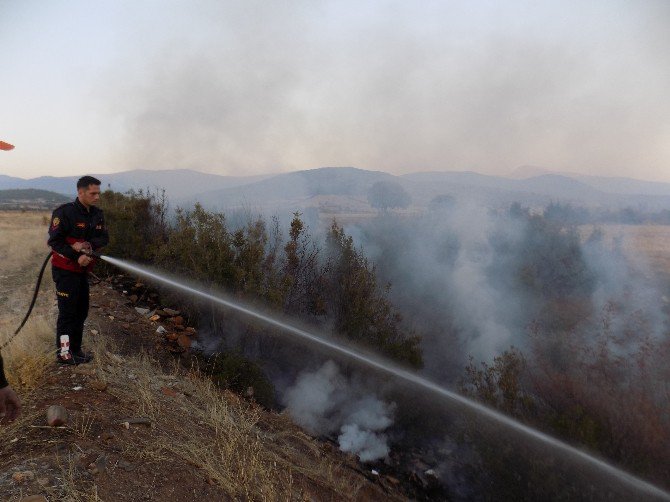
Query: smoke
(471, 281)
(451, 275)
(254, 88)
(628, 290)
(325, 402)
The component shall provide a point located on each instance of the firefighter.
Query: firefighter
(77, 228)
(10, 406)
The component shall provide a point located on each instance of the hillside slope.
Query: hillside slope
(142, 426)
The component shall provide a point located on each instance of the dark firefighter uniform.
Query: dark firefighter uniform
(71, 223)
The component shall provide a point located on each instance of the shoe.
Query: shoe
(81, 357)
(66, 358)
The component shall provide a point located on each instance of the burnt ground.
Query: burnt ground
(102, 454)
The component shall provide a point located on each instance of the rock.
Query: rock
(167, 391)
(177, 320)
(98, 385)
(126, 466)
(125, 325)
(190, 331)
(134, 298)
(94, 332)
(172, 336)
(138, 285)
(23, 476)
(99, 466)
(77, 388)
(155, 317)
(83, 370)
(184, 341)
(137, 420)
(107, 436)
(114, 358)
(160, 330)
(179, 327)
(142, 311)
(171, 312)
(35, 498)
(111, 317)
(56, 416)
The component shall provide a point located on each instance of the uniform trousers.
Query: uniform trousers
(72, 292)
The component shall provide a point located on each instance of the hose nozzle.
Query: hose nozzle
(90, 252)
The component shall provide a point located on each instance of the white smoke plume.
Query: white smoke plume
(325, 402)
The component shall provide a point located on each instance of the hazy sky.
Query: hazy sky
(248, 87)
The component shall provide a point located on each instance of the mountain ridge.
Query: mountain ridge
(285, 190)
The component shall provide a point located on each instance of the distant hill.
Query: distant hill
(178, 183)
(30, 198)
(300, 189)
(344, 189)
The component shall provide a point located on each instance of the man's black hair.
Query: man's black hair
(85, 181)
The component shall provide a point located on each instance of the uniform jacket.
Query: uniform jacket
(71, 223)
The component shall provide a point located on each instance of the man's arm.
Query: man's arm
(59, 229)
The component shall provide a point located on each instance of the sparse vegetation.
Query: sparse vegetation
(297, 277)
(387, 195)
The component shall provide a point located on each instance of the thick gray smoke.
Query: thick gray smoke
(325, 402)
(471, 280)
(255, 87)
(450, 282)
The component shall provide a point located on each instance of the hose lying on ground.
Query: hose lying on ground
(32, 302)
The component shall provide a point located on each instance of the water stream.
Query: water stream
(398, 372)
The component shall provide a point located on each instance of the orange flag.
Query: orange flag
(5, 146)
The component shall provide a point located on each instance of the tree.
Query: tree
(386, 195)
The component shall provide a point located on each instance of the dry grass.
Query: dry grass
(646, 243)
(22, 250)
(23, 237)
(198, 425)
(29, 354)
(71, 486)
(226, 437)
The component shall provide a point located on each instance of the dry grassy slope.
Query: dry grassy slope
(201, 443)
(647, 245)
